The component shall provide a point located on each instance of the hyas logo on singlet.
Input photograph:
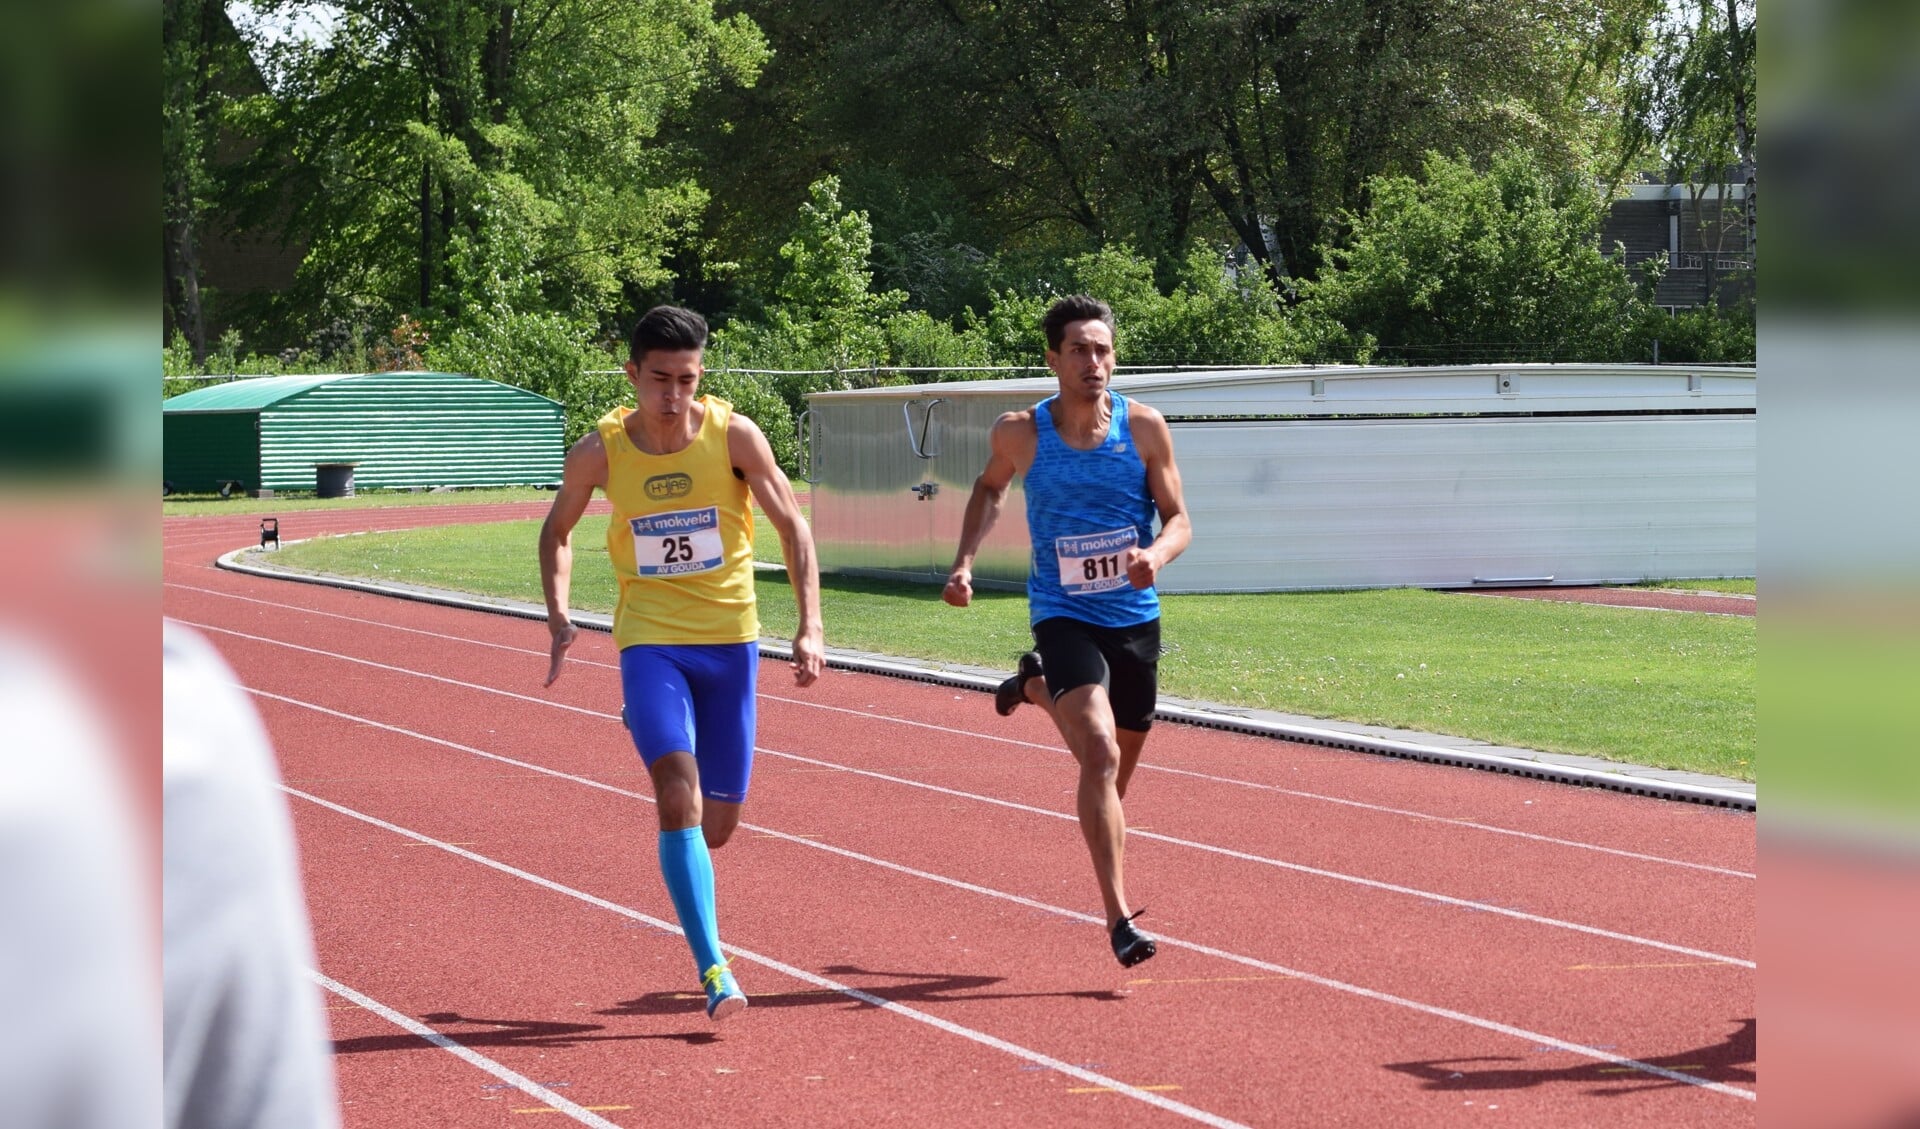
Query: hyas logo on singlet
(662, 487)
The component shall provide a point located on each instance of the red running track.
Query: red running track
(1661, 599)
(1345, 939)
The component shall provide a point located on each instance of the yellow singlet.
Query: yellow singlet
(680, 538)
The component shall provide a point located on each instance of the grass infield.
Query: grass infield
(1672, 691)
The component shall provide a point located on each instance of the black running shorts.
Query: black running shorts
(1125, 661)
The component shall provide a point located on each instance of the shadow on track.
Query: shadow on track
(502, 1033)
(906, 988)
(1730, 1060)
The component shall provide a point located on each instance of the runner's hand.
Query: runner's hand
(564, 634)
(809, 657)
(959, 589)
(1142, 568)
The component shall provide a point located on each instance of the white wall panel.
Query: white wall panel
(1433, 477)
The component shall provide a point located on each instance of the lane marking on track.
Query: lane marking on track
(981, 1037)
(550, 1109)
(1212, 980)
(1301, 868)
(1617, 967)
(1149, 766)
(407, 1023)
(402, 670)
(1601, 1054)
(1161, 1088)
(540, 654)
(1228, 852)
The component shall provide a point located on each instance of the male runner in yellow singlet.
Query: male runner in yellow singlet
(678, 470)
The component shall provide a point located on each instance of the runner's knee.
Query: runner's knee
(678, 798)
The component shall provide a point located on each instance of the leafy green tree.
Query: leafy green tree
(400, 141)
(827, 304)
(200, 56)
(1062, 128)
(1689, 111)
(1465, 266)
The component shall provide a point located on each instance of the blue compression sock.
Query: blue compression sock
(688, 869)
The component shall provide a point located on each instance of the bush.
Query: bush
(1703, 335)
(1463, 266)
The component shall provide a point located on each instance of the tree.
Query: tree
(1463, 266)
(419, 137)
(1689, 107)
(199, 51)
(1063, 127)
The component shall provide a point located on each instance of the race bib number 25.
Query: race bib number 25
(677, 543)
(1094, 562)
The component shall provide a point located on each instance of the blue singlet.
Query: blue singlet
(1084, 509)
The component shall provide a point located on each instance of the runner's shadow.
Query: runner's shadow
(910, 987)
(1730, 1060)
(502, 1033)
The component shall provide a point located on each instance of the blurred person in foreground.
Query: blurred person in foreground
(1097, 468)
(77, 988)
(246, 1044)
(681, 471)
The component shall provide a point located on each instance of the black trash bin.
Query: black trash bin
(333, 480)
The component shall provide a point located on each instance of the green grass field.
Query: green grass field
(1673, 691)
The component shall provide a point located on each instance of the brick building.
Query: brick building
(1702, 229)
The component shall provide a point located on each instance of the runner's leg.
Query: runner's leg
(660, 715)
(1086, 722)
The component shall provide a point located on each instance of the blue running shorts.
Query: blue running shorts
(698, 699)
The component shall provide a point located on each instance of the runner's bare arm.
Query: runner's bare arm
(747, 447)
(1013, 439)
(585, 469)
(1155, 440)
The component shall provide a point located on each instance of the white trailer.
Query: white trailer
(1340, 477)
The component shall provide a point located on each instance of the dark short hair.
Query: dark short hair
(667, 327)
(1073, 308)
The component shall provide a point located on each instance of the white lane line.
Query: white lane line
(540, 653)
(519, 1082)
(1030, 903)
(400, 670)
(1148, 766)
(1302, 868)
(1036, 1057)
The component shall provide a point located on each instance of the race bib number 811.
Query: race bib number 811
(677, 543)
(1094, 562)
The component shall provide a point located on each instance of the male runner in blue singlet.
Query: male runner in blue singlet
(1098, 467)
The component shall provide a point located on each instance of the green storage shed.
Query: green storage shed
(396, 429)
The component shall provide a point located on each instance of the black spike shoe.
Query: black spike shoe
(1131, 946)
(1013, 691)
